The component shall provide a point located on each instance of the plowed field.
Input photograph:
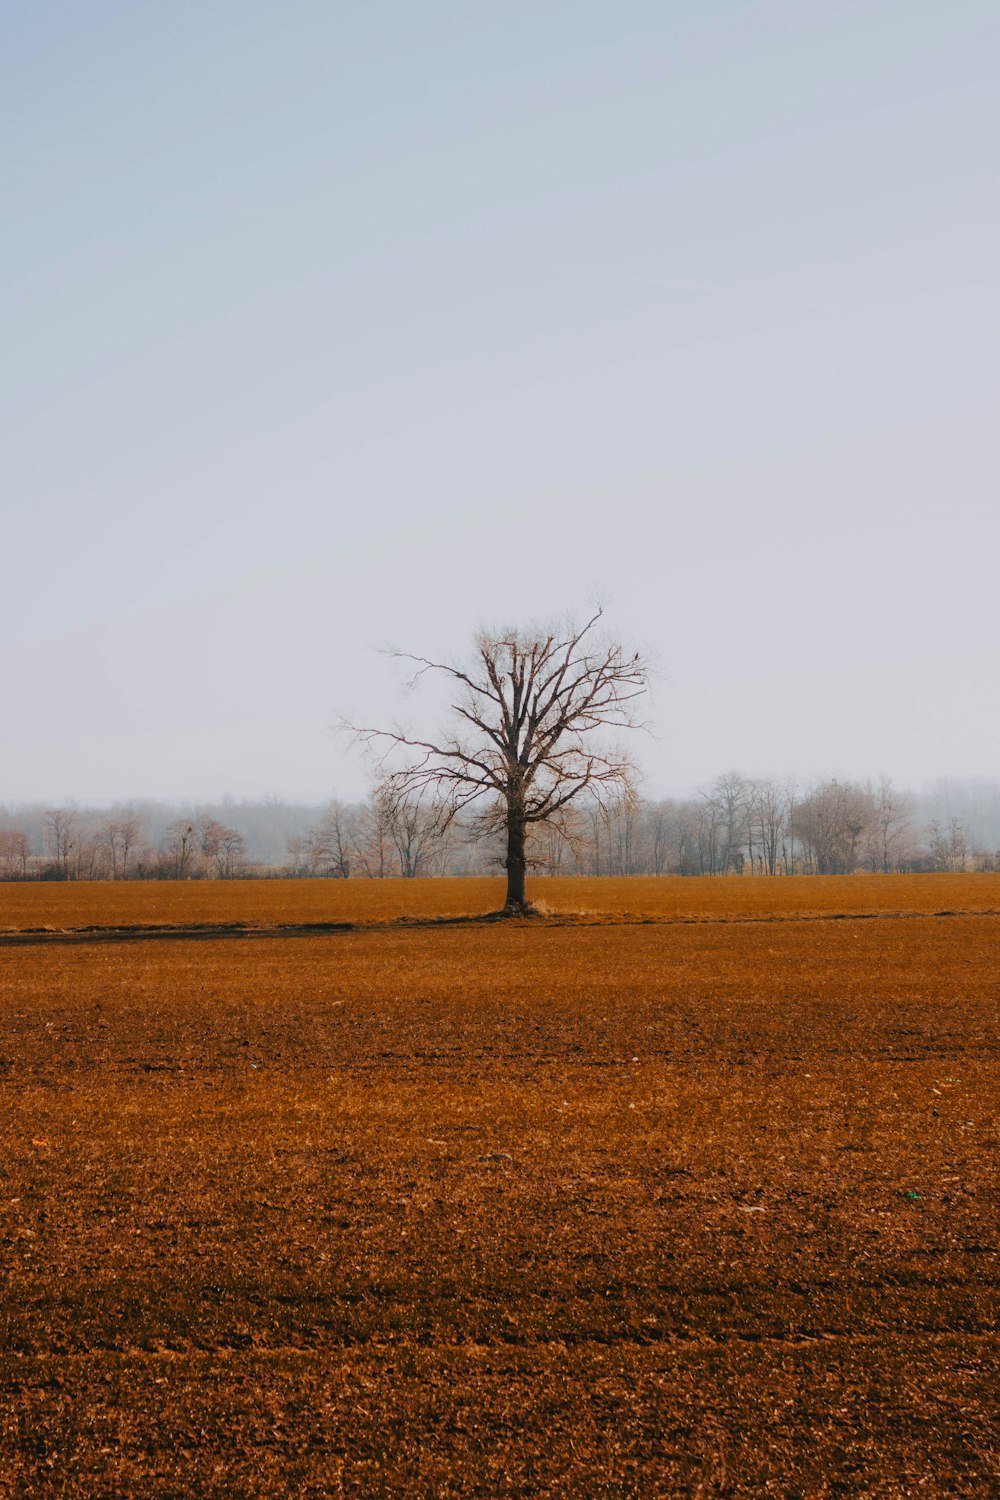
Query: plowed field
(267, 903)
(607, 1206)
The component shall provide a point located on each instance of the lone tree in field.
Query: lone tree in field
(531, 715)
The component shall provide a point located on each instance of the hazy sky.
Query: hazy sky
(328, 323)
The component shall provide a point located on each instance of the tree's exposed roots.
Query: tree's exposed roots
(520, 909)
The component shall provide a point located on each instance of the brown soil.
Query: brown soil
(272, 903)
(645, 1208)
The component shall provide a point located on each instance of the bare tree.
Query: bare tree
(831, 821)
(660, 821)
(416, 827)
(129, 833)
(62, 836)
(768, 811)
(891, 827)
(108, 841)
(334, 841)
(15, 852)
(530, 707)
(699, 837)
(296, 848)
(948, 845)
(230, 854)
(223, 847)
(179, 848)
(88, 857)
(374, 843)
(118, 837)
(730, 795)
(557, 849)
(617, 821)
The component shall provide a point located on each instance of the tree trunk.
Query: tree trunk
(516, 861)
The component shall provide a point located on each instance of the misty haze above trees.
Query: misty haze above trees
(737, 825)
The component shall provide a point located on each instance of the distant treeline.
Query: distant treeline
(740, 825)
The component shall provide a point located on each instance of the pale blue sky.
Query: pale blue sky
(329, 323)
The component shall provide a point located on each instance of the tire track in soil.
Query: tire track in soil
(28, 936)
